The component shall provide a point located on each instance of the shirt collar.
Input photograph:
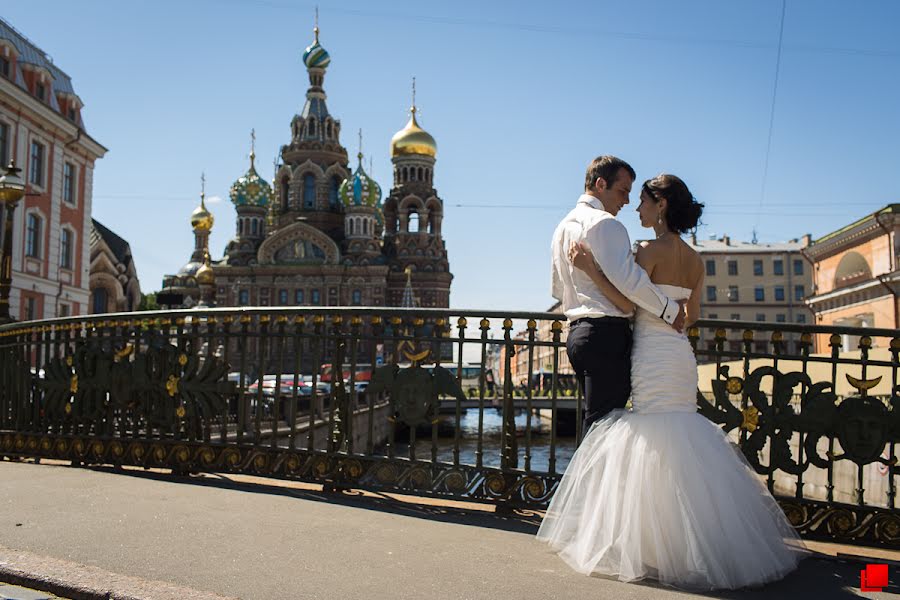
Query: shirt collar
(590, 201)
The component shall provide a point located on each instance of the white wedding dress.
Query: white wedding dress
(659, 491)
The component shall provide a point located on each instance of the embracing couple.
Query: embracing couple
(657, 491)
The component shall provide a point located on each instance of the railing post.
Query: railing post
(510, 456)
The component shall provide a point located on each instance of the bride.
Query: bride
(658, 491)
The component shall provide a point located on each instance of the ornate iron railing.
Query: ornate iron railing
(428, 401)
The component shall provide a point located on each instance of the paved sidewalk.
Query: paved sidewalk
(257, 539)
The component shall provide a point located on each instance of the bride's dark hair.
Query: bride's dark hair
(683, 211)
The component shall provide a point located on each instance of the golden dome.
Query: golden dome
(412, 139)
(201, 218)
(204, 274)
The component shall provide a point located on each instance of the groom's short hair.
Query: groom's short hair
(607, 167)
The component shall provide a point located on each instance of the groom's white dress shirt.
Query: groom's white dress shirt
(608, 240)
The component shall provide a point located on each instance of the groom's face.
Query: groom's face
(615, 195)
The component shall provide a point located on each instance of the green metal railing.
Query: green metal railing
(428, 401)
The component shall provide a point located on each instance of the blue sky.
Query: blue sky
(520, 97)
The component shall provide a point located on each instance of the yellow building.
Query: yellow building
(747, 281)
(856, 275)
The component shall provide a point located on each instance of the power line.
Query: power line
(765, 177)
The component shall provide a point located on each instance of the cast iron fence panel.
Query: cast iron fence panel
(281, 392)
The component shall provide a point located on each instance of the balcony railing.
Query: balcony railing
(430, 402)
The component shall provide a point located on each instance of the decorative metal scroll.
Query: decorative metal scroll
(159, 385)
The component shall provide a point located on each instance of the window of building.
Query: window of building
(712, 316)
(732, 267)
(333, 188)
(69, 183)
(36, 170)
(710, 267)
(759, 294)
(72, 113)
(30, 309)
(801, 318)
(40, 91)
(64, 309)
(254, 226)
(309, 191)
(710, 293)
(734, 346)
(65, 248)
(760, 318)
(757, 266)
(735, 317)
(100, 300)
(33, 235)
(779, 293)
(733, 295)
(315, 297)
(760, 347)
(779, 318)
(4, 144)
(4, 67)
(244, 297)
(298, 297)
(312, 127)
(798, 266)
(799, 292)
(778, 266)
(357, 298)
(282, 297)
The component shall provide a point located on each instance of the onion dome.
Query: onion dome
(315, 56)
(360, 189)
(251, 189)
(412, 139)
(201, 218)
(204, 274)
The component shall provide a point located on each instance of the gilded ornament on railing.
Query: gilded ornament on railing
(863, 385)
(172, 386)
(750, 418)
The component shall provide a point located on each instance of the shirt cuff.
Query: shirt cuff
(670, 312)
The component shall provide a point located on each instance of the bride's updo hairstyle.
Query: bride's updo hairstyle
(683, 212)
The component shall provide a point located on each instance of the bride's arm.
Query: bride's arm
(584, 260)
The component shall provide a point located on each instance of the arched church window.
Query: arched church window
(333, 191)
(351, 226)
(405, 175)
(357, 297)
(420, 174)
(240, 227)
(254, 226)
(285, 185)
(309, 191)
(365, 226)
(312, 126)
(413, 221)
(328, 129)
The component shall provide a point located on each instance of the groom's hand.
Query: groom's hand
(678, 323)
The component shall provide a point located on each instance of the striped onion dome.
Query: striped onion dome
(360, 189)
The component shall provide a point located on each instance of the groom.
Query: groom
(599, 341)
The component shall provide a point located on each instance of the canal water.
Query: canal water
(492, 429)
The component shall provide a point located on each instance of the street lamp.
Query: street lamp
(12, 189)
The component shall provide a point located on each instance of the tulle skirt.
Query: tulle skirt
(666, 496)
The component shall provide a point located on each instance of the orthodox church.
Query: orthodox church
(321, 234)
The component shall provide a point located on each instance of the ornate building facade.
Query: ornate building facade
(42, 130)
(320, 234)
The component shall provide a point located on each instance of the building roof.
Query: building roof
(116, 244)
(727, 245)
(889, 209)
(29, 53)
